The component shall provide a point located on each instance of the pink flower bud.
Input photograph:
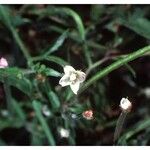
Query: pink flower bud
(3, 63)
(88, 114)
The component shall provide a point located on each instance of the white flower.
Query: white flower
(64, 133)
(73, 78)
(125, 104)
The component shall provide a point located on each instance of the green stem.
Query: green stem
(87, 55)
(96, 64)
(115, 65)
(8, 97)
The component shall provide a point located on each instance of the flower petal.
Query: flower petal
(81, 76)
(75, 87)
(68, 70)
(64, 81)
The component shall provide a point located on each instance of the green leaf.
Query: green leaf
(11, 19)
(54, 100)
(57, 60)
(57, 44)
(15, 78)
(52, 72)
(42, 69)
(138, 25)
(18, 21)
(142, 125)
(10, 123)
(96, 12)
(48, 133)
(51, 58)
(62, 11)
(19, 111)
(5, 16)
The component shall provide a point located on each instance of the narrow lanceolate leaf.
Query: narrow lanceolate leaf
(15, 78)
(142, 125)
(57, 44)
(56, 60)
(65, 11)
(5, 16)
(138, 25)
(19, 111)
(48, 133)
(51, 58)
(52, 72)
(54, 100)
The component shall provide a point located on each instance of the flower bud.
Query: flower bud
(88, 114)
(3, 63)
(125, 105)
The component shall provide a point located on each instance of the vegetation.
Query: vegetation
(110, 43)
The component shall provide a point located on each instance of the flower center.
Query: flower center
(73, 77)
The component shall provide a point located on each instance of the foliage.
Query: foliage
(39, 40)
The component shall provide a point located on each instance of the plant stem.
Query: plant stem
(8, 97)
(96, 64)
(115, 65)
(87, 55)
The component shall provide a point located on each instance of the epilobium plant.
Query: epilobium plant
(3, 63)
(125, 106)
(73, 78)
